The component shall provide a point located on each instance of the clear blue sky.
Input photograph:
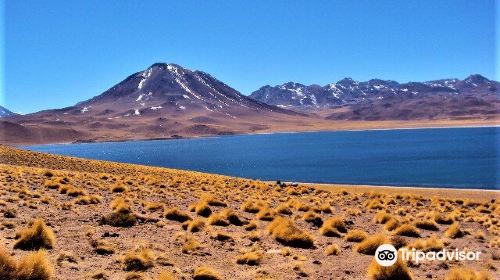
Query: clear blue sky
(57, 53)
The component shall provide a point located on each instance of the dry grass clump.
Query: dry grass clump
(139, 260)
(333, 227)
(250, 258)
(444, 220)
(88, 199)
(382, 217)
(392, 224)
(224, 218)
(191, 245)
(427, 224)
(397, 271)
(174, 214)
(463, 273)
(266, 214)
(454, 231)
(212, 201)
(369, 245)
(119, 188)
(206, 273)
(285, 232)
(407, 230)
(313, 218)
(202, 209)
(37, 236)
(102, 247)
(356, 235)
(426, 245)
(252, 206)
(333, 249)
(283, 209)
(121, 216)
(34, 266)
(194, 225)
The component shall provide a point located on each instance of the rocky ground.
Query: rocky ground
(104, 220)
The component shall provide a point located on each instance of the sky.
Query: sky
(57, 53)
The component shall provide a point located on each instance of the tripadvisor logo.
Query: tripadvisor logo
(387, 255)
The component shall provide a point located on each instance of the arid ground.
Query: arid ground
(104, 220)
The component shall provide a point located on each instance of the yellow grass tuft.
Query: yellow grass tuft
(139, 260)
(462, 273)
(38, 236)
(371, 243)
(333, 227)
(454, 231)
(356, 235)
(427, 224)
(333, 249)
(426, 245)
(407, 230)
(206, 273)
(285, 232)
(397, 271)
(177, 215)
(33, 266)
(250, 258)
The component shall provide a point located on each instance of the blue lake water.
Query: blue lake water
(449, 157)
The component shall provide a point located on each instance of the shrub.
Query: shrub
(139, 260)
(8, 266)
(426, 245)
(206, 273)
(121, 216)
(250, 258)
(119, 189)
(392, 224)
(177, 215)
(202, 209)
(333, 249)
(224, 218)
(191, 245)
(407, 230)
(34, 266)
(332, 227)
(265, 214)
(371, 243)
(36, 237)
(444, 220)
(313, 218)
(252, 206)
(382, 217)
(356, 235)
(285, 232)
(462, 273)
(427, 225)
(397, 271)
(454, 231)
(194, 226)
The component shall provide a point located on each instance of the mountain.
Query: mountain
(162, 101)
(4, 112)
(385, 99)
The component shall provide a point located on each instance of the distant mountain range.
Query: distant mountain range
(5, 113)
(169, 101)
(384, 99)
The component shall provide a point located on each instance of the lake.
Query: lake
(444, 157)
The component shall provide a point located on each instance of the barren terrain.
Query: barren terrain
(104, 220)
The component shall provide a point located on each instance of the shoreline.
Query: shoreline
(260, 133)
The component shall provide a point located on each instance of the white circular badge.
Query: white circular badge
(386, 255)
